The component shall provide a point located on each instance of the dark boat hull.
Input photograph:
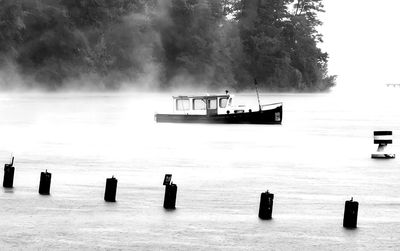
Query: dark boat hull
(272, 116)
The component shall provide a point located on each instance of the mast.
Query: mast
(258, 95)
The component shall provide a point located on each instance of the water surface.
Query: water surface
(318, 158)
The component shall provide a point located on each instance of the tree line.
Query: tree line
(210, 44)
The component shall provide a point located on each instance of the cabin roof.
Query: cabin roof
(203, 96)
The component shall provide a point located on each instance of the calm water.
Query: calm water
(318, 158)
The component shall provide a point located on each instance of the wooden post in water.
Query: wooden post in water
(170, 192)
(111, 189)
(350, 214)
(266, 205)
(8, 179)
(45, 181)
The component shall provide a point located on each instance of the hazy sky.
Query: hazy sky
(362, 38)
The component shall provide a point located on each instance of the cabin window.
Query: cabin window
(182, 104)
(212, 103)
(199, 104)
(223, 102)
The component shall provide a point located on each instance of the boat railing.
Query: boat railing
(279, 103)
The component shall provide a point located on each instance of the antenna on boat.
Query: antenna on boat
(258, 95)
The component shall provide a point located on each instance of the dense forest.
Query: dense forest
(214, 44)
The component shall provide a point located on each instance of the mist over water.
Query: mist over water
(112, 45)
(318, 158)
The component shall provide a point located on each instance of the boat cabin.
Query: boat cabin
(219, 109)
(202, 105)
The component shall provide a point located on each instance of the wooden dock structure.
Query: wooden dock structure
(393, 85)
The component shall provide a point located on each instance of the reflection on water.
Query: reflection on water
(318, 158)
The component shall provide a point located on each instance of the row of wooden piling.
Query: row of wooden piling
(349, 218)
(8, 180)
(169, 197)
(110, 190)
(264, 213)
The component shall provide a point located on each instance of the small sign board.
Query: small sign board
(167, 179)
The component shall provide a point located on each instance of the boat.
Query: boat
(219, 109)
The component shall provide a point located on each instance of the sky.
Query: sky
(362, 38)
